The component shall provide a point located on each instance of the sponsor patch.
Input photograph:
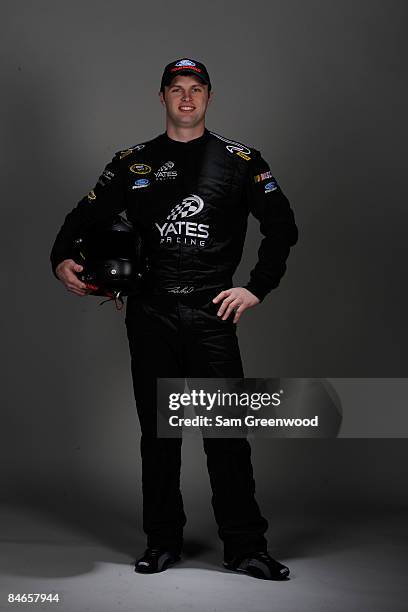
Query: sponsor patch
(91, 196)
(167, 166)
(185, 62)
(140, 183)
(123, 154)
(166, 171)
(262, 177)
(235, 147)
(105, 177)
(140, 168)
(243, 155)
(271, 186)
(127, 152)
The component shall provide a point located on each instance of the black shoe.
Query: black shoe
(258, 564)
(155, 560)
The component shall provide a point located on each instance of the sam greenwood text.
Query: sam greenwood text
(248, 421)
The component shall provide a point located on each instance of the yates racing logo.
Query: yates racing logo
(166, 171)
(190, 206)
(178, 231)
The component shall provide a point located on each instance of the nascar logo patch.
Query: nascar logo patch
(262, 177)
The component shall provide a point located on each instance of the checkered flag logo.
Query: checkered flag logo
(190, 206)
(167, 166)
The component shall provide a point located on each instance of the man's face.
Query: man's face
(186, 100)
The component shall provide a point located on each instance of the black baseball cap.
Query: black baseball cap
(185, 66)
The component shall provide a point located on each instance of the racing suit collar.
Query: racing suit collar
(180, 143)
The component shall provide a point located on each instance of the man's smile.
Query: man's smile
(186, 108)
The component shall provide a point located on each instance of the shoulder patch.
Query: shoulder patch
(130, 150)
(263, 176)
(91, 195)
(234, 147)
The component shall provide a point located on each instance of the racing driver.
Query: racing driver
(189, 191)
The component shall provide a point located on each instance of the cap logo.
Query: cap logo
(177, 68)
(185, 62)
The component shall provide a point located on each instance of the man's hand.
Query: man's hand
(235, 300)
(66, 273)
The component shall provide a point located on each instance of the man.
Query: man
(189, 192)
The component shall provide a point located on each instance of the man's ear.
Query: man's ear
(210, 96)
(161, 96)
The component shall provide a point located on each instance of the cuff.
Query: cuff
(258, 291)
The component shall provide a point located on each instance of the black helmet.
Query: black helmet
(110, 254)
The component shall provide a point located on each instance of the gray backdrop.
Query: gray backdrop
(319, 87)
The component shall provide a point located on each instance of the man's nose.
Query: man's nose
(186, 96)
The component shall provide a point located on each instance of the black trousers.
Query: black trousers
(168, 338)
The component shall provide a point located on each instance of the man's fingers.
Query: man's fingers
(74, 281)
(234, 304)
(225, 304)
(221, 295)
(233, 307)
(236, 299)
(238, 313)
(75, 289)
(67, 273)
(76, 286)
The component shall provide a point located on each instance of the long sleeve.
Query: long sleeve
(105, 200)
(270, 206)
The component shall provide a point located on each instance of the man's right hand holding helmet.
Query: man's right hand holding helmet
(66, 272)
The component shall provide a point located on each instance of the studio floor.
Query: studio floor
(355, 563)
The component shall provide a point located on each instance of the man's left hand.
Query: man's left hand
(235, 300)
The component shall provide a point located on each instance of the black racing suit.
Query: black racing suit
(190, 201)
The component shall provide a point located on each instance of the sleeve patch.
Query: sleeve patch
(262, 177)
(271, 186)
(127, 152)
(106, 176)
(243, 155)
(235, 147)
